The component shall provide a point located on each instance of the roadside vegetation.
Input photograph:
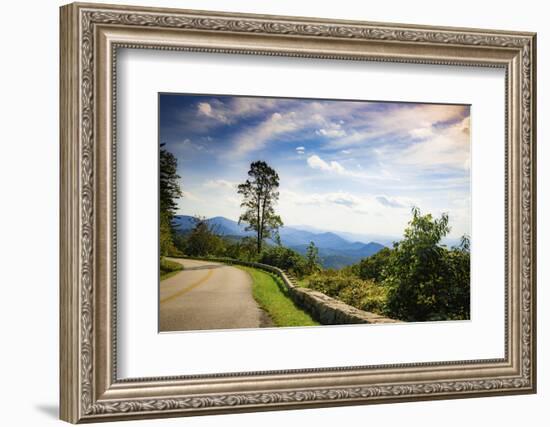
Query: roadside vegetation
(272, 296)
(418, 279)
(169, 268)
(169, 193)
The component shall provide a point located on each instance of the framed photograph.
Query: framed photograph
(265, 212)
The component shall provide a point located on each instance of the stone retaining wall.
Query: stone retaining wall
(326, 310)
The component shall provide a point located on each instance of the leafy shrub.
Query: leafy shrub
(284, 258)
(373, 266)
(419, 279)
(428, 281)
(329, 282)
(244, 250)
(366, 295)
(202, 241)
(362, 294)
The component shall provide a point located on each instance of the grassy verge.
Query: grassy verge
(169, 268)
(270, 293)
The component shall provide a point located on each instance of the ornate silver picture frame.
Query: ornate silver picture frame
(91, 35)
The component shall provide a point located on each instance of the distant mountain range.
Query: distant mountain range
(335, 250)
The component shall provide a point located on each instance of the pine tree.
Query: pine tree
(169, 193)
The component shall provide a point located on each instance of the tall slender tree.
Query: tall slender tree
(259, 197)
(169, 193)
(313, 261)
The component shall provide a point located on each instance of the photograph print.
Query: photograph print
(290, 212)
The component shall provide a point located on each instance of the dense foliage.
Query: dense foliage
(427, 281)
(244, 249)
(419, 279)
(284, 258)
(202, 240)
(363, 294)
(169, 193)
(373, 267)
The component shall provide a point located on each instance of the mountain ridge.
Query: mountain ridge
(334, 250)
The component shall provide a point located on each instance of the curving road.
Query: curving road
(208, 295)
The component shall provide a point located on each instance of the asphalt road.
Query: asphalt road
(208, 295)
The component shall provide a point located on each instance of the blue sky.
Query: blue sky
(352, 166)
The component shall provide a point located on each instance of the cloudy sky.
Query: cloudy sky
(350, 166)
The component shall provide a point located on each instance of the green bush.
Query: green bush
(244, 250)
(366, 295)
(202, 241)
(419, 279)
(373, 267)
(329, 282)
(362, 294)
(427, 281)
(284, 258)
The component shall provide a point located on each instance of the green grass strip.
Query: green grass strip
(270, 293)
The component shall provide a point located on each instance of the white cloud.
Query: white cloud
(352, 124)
(233, 200)
(446, 147)
(390, 202)
(331, 133)
(363, 212)
(275, 125)
(188, 145)
(219, 114)
(190, 196)
(340, 198)
(316, 162)
(220, 183)
(290, 118)
(408, 150)
(224, 111)
(332, 130)
(421, 132)
(205, 108)
(415, 121)
(245, 107)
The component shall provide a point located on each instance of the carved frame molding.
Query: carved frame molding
(90, 37)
